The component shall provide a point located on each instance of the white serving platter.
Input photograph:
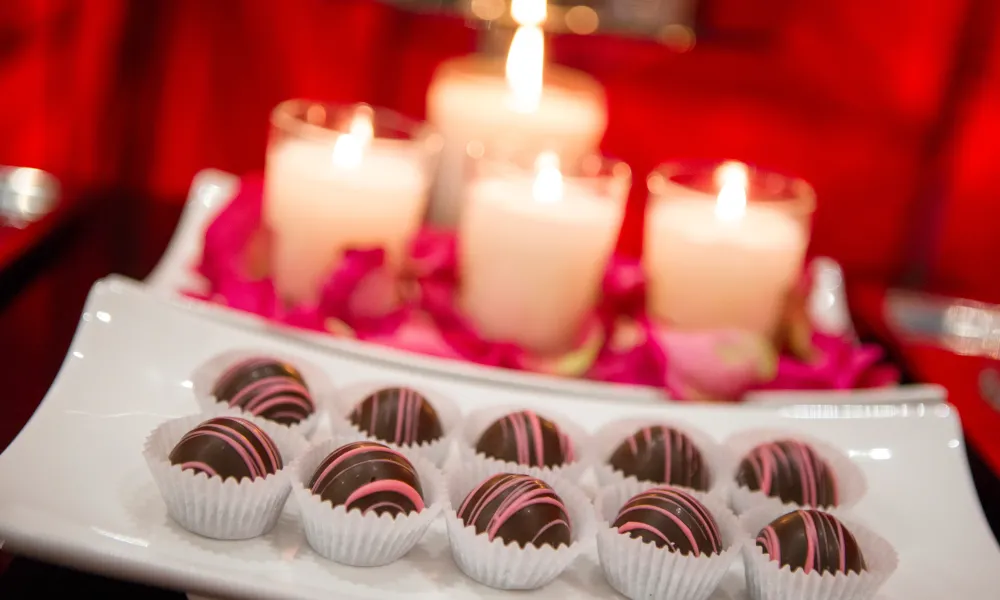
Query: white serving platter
(211, 190)
(75, 490)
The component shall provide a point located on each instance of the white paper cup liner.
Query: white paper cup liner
(639, 569)
(437, 451)
(851, 482)
(321, 390)
(767, 581)
(509, 566)
(481, 466)
(210, 506)
(363, 540)
(608, 438)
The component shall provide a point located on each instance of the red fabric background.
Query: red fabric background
(841, 93)
(845, 93)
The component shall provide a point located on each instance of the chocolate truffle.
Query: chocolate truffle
(662, 455)
(398, 415)
(519, 509)
(227, 447)
(368, 476)
(527, 439)
(266, 388)
(672, 518)
(791, 471)
(811, 540)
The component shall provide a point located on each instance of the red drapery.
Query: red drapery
(841, 93)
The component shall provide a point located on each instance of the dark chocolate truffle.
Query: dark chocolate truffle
(527, 439)
(662, 455)
(672, 518)
(811, 540)
(791, 471)
(369, 476)
(519, 509)
(266, 388)
(227, 447)
(398, 415)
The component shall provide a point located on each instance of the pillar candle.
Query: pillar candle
(470, 102)
(533, 249)
(322, 198)
(708, 268)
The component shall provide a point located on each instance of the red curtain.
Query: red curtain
(841, 93)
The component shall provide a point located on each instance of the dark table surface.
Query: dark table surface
(26, 579)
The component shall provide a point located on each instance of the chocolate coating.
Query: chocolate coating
(525, 438)
(672, 518)
(789, 470)
(811, 540)
(663, 455)
(227, 447)
(398, 415)
(368, 476)
(519, 509)
(266, 388)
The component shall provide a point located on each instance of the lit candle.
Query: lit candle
(329, 187)
(533, 246)
(718, 261)
(519, 107)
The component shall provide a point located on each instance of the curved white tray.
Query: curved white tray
(212, 189)
(74, 488)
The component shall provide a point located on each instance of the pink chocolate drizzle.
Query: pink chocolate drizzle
(528, 432)
(408, 409)
(522, 491)
(770, 459)
(378, 453)
(269, 392)
(820, 530)
(224, 428)
(673, 441)
(666, 501)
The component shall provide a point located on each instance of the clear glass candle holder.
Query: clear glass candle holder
(720, 258)
(471, 103)
(534, 241)
(340, 177)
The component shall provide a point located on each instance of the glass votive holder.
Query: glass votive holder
(534, 241)
(469, 101)
(340, 177)
(724, 244)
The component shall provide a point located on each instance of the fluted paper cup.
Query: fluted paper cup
(321, 390)
(766, 580)
(437, 451)
(480, 466)
(363, 540)
(850, 480)
(641, 570)
(508, 566)
(607, 439)
(213, 507)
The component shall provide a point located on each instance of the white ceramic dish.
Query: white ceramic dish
(212, 189)
(74, 489)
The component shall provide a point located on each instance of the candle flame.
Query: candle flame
(526, 58)
(350, 147)
(548, 185)
(731, 204)
(529, 12)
